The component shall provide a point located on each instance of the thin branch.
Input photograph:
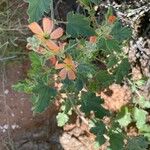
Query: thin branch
(52, 9)
(7, 58)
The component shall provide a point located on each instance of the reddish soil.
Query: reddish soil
(15, 109)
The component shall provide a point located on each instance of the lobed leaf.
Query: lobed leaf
(109, 46)
(62, 119)
(120, 33)
(140, 117)
(122, 70)
(37, 8)
(137, 143)
(101, 81)
(124, 117)
(99, 129)
(90, 102)
(44, 95)
(78, 25)
(116, 141)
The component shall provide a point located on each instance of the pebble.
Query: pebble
(6, 91)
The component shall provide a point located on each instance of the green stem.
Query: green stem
(74, 107)
(52, 9)
(136, 91)
(63, 22)
(91, 12)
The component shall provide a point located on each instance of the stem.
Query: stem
(13, 29)
(76, 110)
(92, 16)
(5, 44)
(52, 9)
(63, 22)
(136, 91)
(7, 58)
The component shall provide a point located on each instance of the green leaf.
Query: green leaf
(145, 131)
(78, 25)
(86, 71)
(79, 84)
(116, 141)
(120, 33)
(73, 86)
(67, 107)
(124, 117)
(84, 2)
(36, 61)
(37, 8)
(73, 50)
(147, 135)
(62, 119)
(36, 64)
(140, 117)
(44, 96)
(89, 50)
(142, 102)
(137, 143)
(90, 102)
(112, 61)
(66, 111)
(33, 42)
(87, 2)
(96, 2)
(101, 81)
(140, 82)
(122, 70)
(23, 86)
(68, 85)
(104, 79)
(109, 46)
(98, 128)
